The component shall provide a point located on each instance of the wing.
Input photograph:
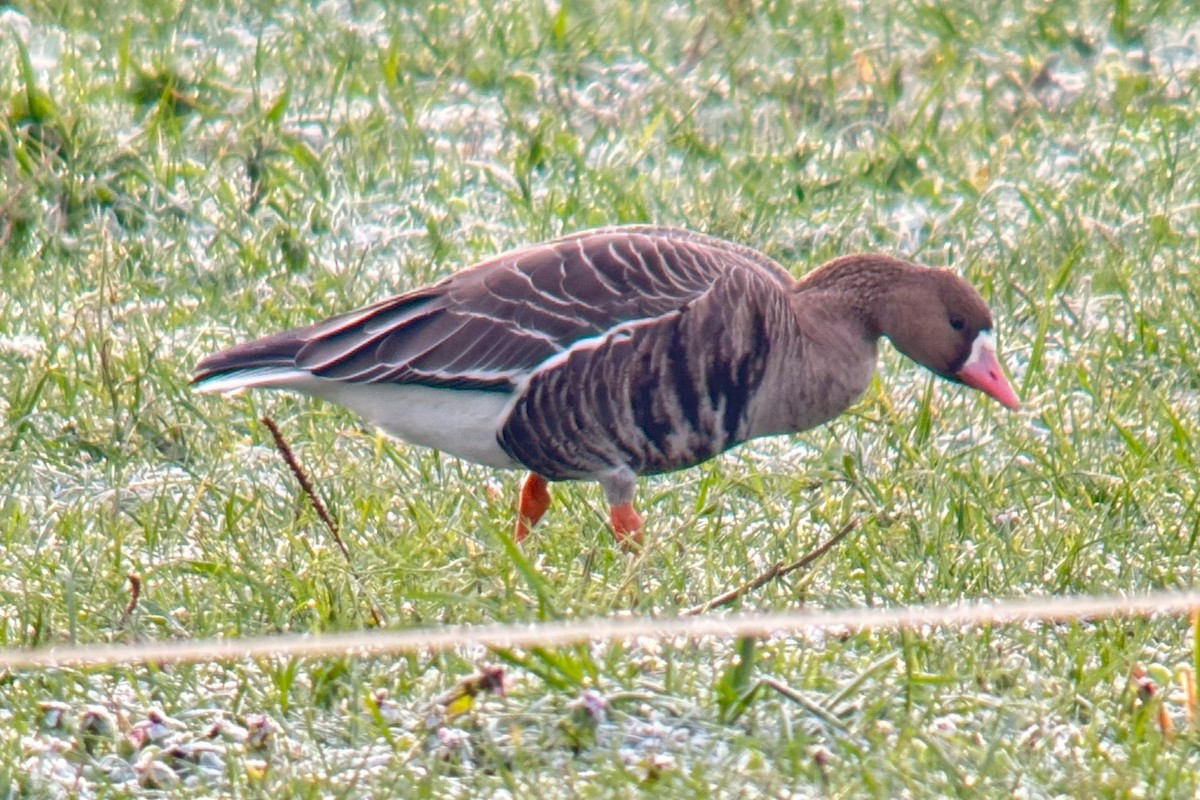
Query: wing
(490, 326)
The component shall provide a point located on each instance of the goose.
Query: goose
(620, 352)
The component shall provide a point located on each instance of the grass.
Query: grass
(176, 177)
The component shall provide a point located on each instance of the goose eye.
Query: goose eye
(957, 323)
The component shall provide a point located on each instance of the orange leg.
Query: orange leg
(626, 524)
(531, 504)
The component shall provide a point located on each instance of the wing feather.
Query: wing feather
(492, 325)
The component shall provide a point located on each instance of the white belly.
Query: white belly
(461, 423)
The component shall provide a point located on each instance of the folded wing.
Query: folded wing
(492, 325)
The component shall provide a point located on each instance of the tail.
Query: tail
(270, 361)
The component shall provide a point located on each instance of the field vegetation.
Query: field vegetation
(176, 176)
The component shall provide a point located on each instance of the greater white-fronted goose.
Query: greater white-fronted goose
(622, 352)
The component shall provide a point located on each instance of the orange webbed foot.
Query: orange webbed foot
(532, 503)
(626, 525)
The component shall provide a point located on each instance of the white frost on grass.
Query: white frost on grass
(22, 345)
